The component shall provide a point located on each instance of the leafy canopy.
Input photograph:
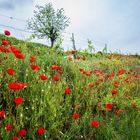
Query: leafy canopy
(48, 23)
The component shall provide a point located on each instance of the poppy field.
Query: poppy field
(48, 95)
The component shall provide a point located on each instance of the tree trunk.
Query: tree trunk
(52, 43)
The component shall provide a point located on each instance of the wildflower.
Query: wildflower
(67, 90)
(18, 100)
(97, 83)
(73, 52)
(2, 113)
(17, 86)
(119, 111)
(76, 116)
(116, 86)
(10, 71)
(5, 43)
(43, 77)
(88, 73)
(32, 59)
(60, 72)
(5, 50)
(40, 130)
(78, 57)
(81, 69)
(85, 88)
(70, 58)
(114, 92)
(14, 49)
(8, 127)
(91, 85)
(6, 32)
(108, 106)
(22, 132)
(19, 55)
(54, 67)
(56, 78)
(15, 138)
(35, 67)
(95, 124)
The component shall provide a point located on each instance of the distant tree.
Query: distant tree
(105, 49)
(90, 46)
(48, 23)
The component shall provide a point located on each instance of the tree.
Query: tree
(48, 23)
(90, 46)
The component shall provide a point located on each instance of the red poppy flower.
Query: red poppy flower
(81, 69)
(78, 57)
(84, 72)
(32, 59)
(97, 83)
(5, 43)
(73, 52)
(70, 58)
(56, 78)
(6, 32)
(88, 74)
(95, 124)
(116, 86)
(18, 100)
(114, 92)
(43, 77)
(60, 72)
(35, 67)
(91, 85)
(22, 132)
(54, 67)
(40, 130)
(14, 49)
(2, 113)
(85, 88)
(119, 111)
(8, 127)
(76, 116)
(67, 90)
(10, 71)
(15, 138)
(19, 55)
(17, 86)
(5, 50)
(108, 106)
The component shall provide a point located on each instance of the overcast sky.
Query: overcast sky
(115, 22)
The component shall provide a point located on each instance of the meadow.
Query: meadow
(47, 95)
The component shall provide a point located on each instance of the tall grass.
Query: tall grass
(46, 104)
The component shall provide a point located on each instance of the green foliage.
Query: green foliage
(46, 104)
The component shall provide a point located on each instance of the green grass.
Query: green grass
(46, 104)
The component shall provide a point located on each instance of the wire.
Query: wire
(15, 28)
(10, 17)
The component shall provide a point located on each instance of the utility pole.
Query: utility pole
(74, 47)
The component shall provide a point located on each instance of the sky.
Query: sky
(114, 22)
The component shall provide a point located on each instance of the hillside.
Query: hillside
(46, 95)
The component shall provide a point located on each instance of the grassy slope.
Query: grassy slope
(46, 105)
